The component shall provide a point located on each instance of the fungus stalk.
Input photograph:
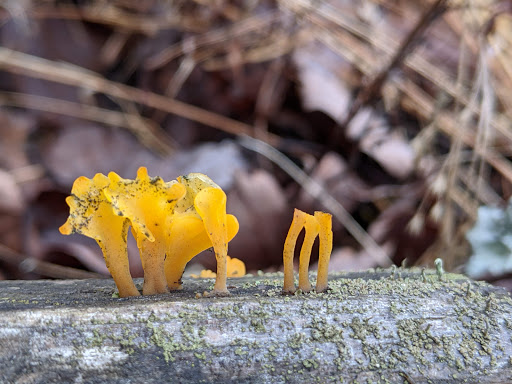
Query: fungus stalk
(147, 203)
(289, 249)
(188, 237)
(312, 228)
(153, 258)
(115, 251)
(325, 237)
(318, 225)
(205, 201)
(210, 203)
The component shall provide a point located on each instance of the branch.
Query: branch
(395, 326)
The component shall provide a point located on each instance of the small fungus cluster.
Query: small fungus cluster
(318, 225)
(235, 268)
(171, 221)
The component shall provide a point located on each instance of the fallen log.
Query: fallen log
(386, 326)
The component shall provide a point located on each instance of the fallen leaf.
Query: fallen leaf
(380, 142)
(339, 181)
(321, 88)
(94, 149)
(11, 198)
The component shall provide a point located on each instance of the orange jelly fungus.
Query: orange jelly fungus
(91, 215)
(171, 221)
(147, 203)
(318, 225)
(200, 222)
(235, 268)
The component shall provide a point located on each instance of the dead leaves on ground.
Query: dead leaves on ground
(288, 73)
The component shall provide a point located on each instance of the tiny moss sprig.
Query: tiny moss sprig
(439, 268)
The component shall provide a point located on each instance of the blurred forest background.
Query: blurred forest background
(393, 115)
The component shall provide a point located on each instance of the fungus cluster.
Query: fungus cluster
(318, 225)
(171, 221)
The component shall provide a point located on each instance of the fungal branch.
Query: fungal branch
(148, 214)
(319, 225)
(92, 215)
(172, 222)
(199, 221)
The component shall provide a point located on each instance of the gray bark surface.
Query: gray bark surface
(371, 327)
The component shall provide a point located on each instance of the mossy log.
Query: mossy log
(383, 326)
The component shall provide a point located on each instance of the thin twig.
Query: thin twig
(318, 192)
(268, 97)
(452, 166)
(114, 17)
(145, 129)
(422, 104)
(212, 37)
(64, 73)
(44, 268)
(372, 90)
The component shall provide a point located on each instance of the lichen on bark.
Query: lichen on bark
(377, 326)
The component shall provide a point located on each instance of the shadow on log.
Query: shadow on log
(371, 327)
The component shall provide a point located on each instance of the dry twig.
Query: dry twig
(21, 63)
(44, 268)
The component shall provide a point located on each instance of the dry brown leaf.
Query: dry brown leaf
(321, 88)
(383, 144)
(11, 198)
(86, 149)
(324, 89)
(339, 180)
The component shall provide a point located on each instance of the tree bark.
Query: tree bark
(371, 327)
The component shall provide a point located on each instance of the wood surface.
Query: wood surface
(384, 326)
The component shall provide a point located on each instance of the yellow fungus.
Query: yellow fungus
(205, 274)
(188, 237)
(235, 268)
(318, 225)
(148, 204)
(312, 228)
(209, 202)
(289, 249)
(172, 222)
(325, 249)
(92, 215)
